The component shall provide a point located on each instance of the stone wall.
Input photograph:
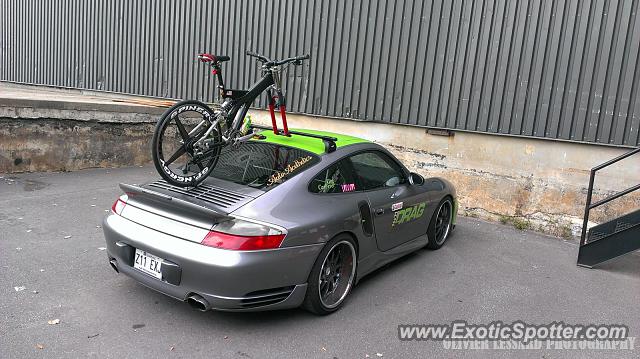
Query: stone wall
(46, 139)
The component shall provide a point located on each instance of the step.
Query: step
(611, 246)
(613, 226)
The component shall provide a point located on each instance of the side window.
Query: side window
(336, 178)
(376, 170)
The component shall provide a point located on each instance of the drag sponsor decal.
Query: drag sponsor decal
(292, 167)
(408, 214)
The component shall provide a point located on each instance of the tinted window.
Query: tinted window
(376, 170)
(262, 165)
(337, 178)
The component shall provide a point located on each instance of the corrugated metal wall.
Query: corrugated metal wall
(566, 69)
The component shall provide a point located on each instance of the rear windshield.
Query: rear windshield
(262, 165)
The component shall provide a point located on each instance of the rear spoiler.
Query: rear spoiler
(162, 200)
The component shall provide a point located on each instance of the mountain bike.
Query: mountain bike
(190, 136)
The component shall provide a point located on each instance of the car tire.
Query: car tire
(332, 276)
(440, 225)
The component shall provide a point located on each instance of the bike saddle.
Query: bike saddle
(213, 58)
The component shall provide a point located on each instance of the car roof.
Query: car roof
(311, 144)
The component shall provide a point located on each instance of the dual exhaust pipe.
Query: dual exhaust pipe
(114, 265)
(197, 302)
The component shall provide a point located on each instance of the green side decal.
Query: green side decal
(455, 211)
(408, 214)
(313, 145)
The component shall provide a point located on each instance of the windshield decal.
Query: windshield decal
(292, 167)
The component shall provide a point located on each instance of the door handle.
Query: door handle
(379, 211)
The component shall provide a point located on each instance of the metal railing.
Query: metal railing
(589, 206)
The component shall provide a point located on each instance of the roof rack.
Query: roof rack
(329, 142)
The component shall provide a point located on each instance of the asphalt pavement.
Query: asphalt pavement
(53, 268)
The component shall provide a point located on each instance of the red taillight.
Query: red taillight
(118, 206)
(242, 243)
(241, 235)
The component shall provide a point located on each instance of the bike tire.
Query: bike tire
(158, 156)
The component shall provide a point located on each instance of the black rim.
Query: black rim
(443, 222)
(182, 163)
(336, 274)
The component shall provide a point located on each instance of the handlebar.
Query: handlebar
(258, 56)
(266, 62)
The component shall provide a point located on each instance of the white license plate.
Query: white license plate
(148, 263)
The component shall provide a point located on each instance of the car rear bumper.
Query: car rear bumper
(227, 280)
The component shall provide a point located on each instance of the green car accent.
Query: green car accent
(313, 145)
(455, 211)
(408, 214)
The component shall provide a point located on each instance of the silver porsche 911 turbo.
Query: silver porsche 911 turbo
(282, 222)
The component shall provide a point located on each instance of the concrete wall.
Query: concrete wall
(53, 139)
(531, 183)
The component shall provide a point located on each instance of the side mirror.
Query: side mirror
(416, 179)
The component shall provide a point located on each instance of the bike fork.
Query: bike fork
(276, 97)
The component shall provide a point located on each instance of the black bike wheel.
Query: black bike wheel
(178, 157)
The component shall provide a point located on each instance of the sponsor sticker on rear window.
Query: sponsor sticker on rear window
(278, 176)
